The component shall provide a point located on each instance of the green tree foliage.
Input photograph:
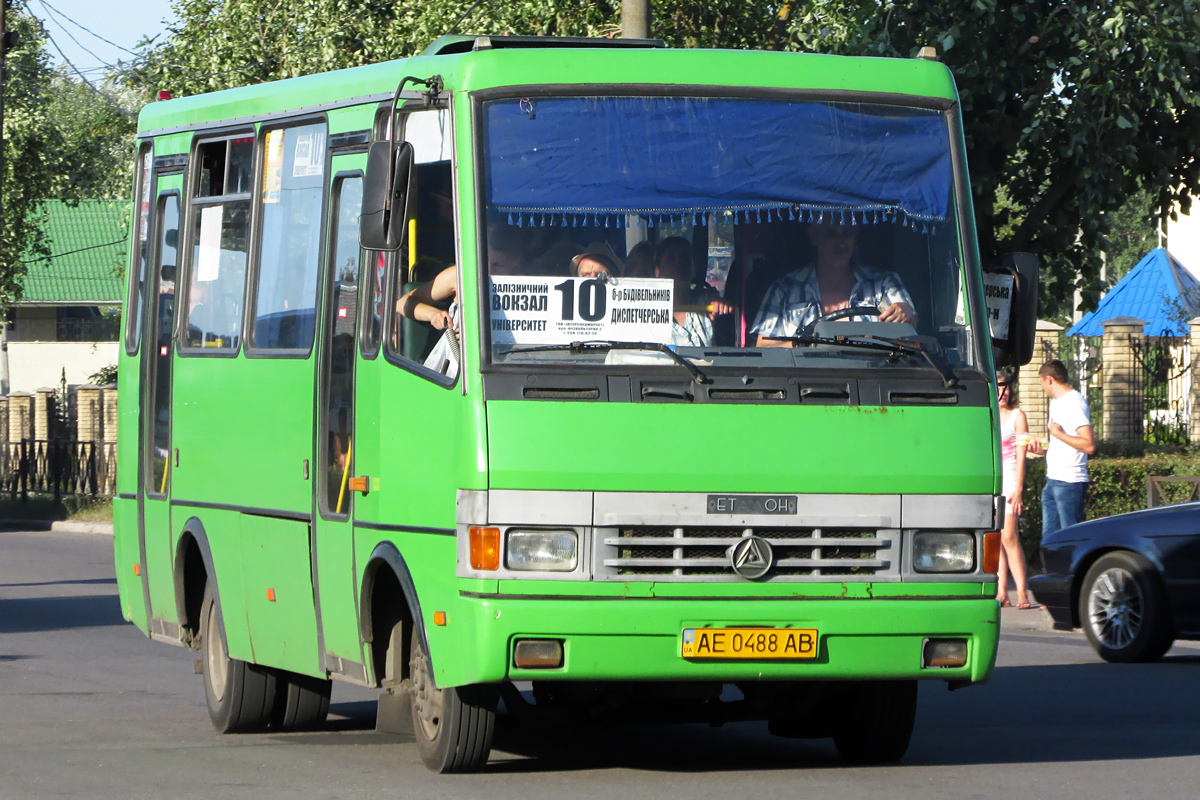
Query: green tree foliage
(1132, 232)
(217, 44)
(33, 154)
(1069, 108)
(97, 132)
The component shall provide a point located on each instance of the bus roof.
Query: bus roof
(582, 63)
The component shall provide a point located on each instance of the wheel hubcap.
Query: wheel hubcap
(427, 701)
(216, 658)
(1115, 608)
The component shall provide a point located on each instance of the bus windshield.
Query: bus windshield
(713, 226)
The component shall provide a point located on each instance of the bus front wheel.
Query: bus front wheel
(877, 721)
(453, 726)
(240, 696)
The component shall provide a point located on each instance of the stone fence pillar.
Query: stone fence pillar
(109, 402)
(1123, 406)
(43, 414)
(1194, 381)
(20, 416)
(89, 426)
(3, 418)
(1030, 395)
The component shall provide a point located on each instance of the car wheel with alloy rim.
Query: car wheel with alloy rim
(1123, 610)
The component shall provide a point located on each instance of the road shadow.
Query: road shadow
(36, 614)
(1027, 714)
(355, 716)
(79, 582)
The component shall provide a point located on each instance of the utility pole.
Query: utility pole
(635, 19)
(4, 42)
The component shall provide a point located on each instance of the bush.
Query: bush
(1118, 485)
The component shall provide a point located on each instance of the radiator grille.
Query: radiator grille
(701, 553)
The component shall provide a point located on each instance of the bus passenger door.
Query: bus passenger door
(155, 451)
(335, 573)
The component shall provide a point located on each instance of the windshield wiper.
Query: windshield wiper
(914, 347)
(601, 346)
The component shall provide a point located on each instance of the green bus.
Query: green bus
(566, 376)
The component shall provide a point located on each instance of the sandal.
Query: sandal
(1004, 603)
(1031, 606)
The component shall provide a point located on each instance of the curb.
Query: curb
(60, 526)
(102, 528)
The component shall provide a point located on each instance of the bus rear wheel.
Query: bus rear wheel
(454, 726)
(877, 722)
(240, 696)
(302, 702)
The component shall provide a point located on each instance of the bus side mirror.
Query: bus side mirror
(387, 188)
(1011, 296)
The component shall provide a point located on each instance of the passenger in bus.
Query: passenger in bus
(507, 250)
(424, 303)
(639, 263)
(556, 261)
(596, 261)
(691, 327)
(837, 281)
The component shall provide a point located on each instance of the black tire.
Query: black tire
(301, 702)
(1123, 609)
(240, 696)
(877, 722)
(453, 727)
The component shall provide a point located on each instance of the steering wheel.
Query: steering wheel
(842, 313)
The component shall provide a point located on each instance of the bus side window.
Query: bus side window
(220, 240)
(429, 243)
(372, 284)
(285, 285)
(139, 268)
(346, 264)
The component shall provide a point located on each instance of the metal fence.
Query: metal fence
(58, 467)
(1162, 366)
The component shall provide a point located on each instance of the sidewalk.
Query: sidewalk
(62, 526)
(1025, 619)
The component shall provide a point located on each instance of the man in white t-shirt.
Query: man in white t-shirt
(1070, 444)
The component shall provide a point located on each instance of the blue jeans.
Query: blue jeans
(1062, 505)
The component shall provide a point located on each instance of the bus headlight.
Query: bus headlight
(542, 551)
(943, 552)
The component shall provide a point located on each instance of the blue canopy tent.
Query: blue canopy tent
(1157, 290)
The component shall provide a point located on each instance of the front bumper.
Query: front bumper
(1054, 592)
(615, 638)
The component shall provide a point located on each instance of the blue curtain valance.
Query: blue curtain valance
(594, 160)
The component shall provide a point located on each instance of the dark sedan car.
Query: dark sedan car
(1132, 581)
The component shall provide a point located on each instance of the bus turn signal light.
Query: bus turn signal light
(991, 553)
(485, 548)
(360, 484)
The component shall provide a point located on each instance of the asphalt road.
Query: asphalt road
(90, 708)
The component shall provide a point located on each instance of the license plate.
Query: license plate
(756, 643)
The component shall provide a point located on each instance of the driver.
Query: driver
(834, 283)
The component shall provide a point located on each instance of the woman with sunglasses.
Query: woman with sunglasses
(1012, 456)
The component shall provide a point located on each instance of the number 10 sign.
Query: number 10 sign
(555, 310)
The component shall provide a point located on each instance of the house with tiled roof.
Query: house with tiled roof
(68, 318)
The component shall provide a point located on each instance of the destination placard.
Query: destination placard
(555, 310)
(997, 295)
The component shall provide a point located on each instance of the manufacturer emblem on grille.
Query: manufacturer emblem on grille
(751, 557)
